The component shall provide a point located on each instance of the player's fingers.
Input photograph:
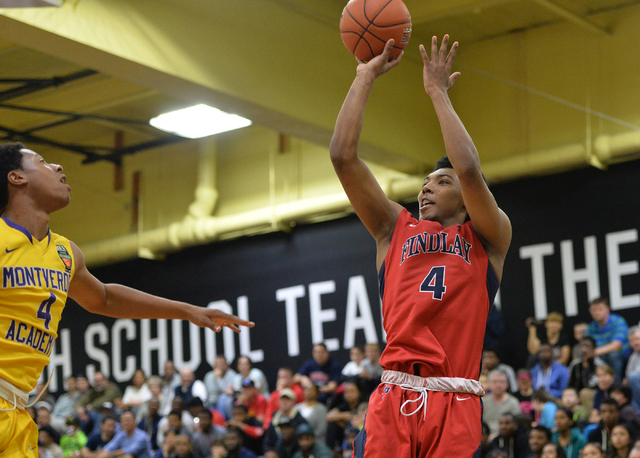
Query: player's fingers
(423, 53)
(395, 60)
(443, 48)
(434, 47)
(452, 53)
(387, 49)
(453, 78)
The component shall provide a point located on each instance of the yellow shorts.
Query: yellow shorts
(18, 433)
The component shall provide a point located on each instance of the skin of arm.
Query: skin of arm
(616, 345)
(369, 201)
(120, 301)
(489, 221)
(533, 343)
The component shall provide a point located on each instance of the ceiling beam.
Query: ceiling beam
(571, 16)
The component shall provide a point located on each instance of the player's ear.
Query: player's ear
(17, 177)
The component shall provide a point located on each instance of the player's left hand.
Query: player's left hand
(216, 319)
(436, 73)
(382, 63)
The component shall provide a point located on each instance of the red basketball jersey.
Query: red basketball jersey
(437, 286)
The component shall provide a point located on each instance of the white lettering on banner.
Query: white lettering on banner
(536, 253)
(120, 374)
(118, 350)
(227, 336)
(149, 344)
(571, 276)
(358, 301)
(100, 330)
(320, 316)
(618, 269)
(290, 297)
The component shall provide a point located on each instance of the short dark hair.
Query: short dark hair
(611, 402)
(443, 163)
(10, 159)
(600, 300)
(625, 390)
(546, 431)
(591, 340)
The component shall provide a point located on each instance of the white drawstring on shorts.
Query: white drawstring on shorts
(422, 399)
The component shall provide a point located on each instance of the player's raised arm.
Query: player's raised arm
(377, 212)
(120, 301)
(489, 222)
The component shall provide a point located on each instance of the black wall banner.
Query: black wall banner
(575, 237)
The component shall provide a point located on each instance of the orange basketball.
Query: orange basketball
(366, 25)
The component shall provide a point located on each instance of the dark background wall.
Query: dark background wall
(575, 236)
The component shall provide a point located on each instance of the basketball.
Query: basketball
(366, 25)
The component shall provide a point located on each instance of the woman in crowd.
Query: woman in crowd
(567, 435)
(623, 437)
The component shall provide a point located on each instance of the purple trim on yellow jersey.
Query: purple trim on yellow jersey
(17, 227)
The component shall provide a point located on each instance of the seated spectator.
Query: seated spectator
(104, 391)
(249, 428)
(43, 414)
(372, 372)
(202, 439)
(287, 442)
(610, 331)
(247, 371)
(544, 408)
(287, 413)
(168, 448)
(314, 412)
(571, 401)
(594, 450)
(485, 444)
(170, 380)
(352, 370)
(173, 422)
(232, 447)
(609, 413)
(189, 387)
(511, 438)
(634, 453)
(606, 379)
(339, 417)
(499, 402)
(183, 448)
(322, 371)
(549, 374)
(622, 438)
(525, 392)
(622, 394)
(255, 402)
(539, 436)
(137, 392)
(579, 333)
(553, 450)
(582, 372)
(97, 440)
(284, 380)
(633, 366)
(41, 394)
(219, 385)
(85, 389)
(65, 406)
(491, 362)
(48, 439)
(309, 447)
(567, 435)
(74, 440)
(552, 335)
(350, 434)
(130, 440)
(151, 421)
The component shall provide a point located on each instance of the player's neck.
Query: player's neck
(36, 222)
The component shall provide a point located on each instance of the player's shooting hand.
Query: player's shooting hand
(216, 319)
(380, 64)
(436, 73)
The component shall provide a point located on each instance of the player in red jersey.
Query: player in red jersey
(438, 277)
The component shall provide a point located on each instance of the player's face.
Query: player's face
(46, 180)
(441, 198)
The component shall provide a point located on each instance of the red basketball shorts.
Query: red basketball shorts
(398, 424)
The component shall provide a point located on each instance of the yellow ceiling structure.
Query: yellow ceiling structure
(546, 85)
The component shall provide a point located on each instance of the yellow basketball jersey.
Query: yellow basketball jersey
(35, 281)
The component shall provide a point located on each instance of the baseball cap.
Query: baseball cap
(305, 428)
(246, 383)
(287, 393)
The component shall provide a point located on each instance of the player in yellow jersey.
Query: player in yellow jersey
(39, 269)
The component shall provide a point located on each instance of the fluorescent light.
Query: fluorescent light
(198, 121)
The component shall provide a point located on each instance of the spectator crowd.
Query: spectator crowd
(571, 398)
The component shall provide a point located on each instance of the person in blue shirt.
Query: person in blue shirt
(322, 371)
(610, 331)
(549, 374)
(130, 442)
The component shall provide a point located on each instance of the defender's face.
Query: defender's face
(46, 180)
(441, 196)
